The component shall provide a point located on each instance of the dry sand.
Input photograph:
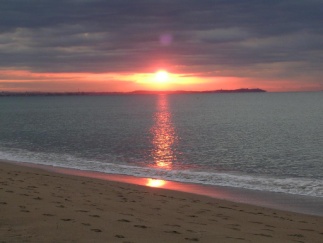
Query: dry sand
(41, 206)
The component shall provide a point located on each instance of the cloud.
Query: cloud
(229, 38)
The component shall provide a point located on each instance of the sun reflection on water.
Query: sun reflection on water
(155, 182)
(163, 135)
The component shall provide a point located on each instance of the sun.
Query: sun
(161, 76)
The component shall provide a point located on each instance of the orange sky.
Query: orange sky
(21, 80)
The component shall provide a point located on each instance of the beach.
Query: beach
(37, 205)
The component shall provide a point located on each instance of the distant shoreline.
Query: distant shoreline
(8, 93)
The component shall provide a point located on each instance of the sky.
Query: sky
(120, 45)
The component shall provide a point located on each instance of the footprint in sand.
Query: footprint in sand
(192, 231)
(172, 232)
(264, 235)
(229, 237)
(119, 236)
(311, 230)
(173, 225)
(268, 230)
(214, 220)
(192, 239)
(197, 223)
(236, 225)
(96, 230)
(224, 207)
(297, 235)
(237, 229)
(124, 220)
(270, 226)
(141, 226)
(128, 214)
(33, 187)
(255, 222)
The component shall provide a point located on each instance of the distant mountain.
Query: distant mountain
(4, 93)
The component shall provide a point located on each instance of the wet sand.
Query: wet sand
(37, 205)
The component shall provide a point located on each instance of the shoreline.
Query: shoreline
(67, 207)
(294, 203)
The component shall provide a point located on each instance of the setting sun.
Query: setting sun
(161, 76)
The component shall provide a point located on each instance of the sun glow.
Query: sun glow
(155, 182)
(161, 76)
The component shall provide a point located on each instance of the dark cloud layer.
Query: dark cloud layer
(202, 36)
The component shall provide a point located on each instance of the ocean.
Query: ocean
(269, 142)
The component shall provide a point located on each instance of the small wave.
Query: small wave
(298, 186)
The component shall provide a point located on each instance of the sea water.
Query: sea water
(270, 142)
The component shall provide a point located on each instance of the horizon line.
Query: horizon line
(241, 90)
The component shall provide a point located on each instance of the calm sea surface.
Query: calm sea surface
(260, 141)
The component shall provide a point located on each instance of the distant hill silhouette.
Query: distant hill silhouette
(199, 92)
(5, 93)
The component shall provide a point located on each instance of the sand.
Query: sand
(37, 205)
